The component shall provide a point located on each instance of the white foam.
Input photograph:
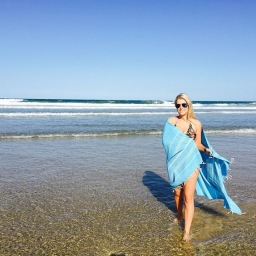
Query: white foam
(115, 134)
(228, 107)
(20, 104)
(70, 114)
(74, 135)
(32, 105)
(118, 106)
(226, 112)
(10, 101)
(42, 114)
(237, 131)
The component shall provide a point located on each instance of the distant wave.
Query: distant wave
(202, 110)
(70, 114)
(79, 135)
(116, 134)
(236, 131)
(33, 105)
(67, 102)
(42, 114)
(10, 101)
(117, 104)
(6, 101)
(85, 106)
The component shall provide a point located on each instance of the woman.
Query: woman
(180, 152)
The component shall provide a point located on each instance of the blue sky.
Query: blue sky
(128, 49)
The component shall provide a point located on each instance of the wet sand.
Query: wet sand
(111, 196)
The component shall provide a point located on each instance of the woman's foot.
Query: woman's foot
(186, 237)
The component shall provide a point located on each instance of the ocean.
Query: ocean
(88, 177)
(23, 119)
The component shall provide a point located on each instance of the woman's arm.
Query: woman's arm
(198, 139)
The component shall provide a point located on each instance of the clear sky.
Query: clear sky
(128, 49)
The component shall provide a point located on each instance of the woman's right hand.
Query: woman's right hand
(207, 150)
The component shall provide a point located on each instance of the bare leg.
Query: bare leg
(178, 197)
(189, 191)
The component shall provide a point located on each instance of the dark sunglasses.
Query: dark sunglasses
(184, 105)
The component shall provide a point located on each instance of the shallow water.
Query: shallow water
(111, 196)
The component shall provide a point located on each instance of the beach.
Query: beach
(108, 193)
(105, 199)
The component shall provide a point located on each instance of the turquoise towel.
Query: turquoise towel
(210, 182)
(183, 157)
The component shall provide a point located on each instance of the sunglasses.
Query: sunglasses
(184, 105)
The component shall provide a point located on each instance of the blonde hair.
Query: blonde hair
(185, 97)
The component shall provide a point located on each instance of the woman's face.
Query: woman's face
(182, 107)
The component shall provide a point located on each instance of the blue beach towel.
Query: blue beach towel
(183, 157)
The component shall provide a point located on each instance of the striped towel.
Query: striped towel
(213, 172)
(183, 157)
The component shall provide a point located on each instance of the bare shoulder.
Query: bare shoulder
(196, 122)
(173, 119)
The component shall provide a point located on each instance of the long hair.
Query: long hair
(185, 97)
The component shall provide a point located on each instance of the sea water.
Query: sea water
(89, 178)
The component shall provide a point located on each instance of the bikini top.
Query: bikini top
(190, 132)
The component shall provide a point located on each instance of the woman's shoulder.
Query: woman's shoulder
(173, 119)
(196, 122)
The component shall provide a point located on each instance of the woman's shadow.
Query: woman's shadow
(162, 191)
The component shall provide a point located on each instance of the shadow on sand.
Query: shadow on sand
(162, 191)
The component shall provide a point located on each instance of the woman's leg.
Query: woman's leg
(178, 197)
(189, 191)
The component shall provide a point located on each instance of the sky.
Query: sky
(128, 49)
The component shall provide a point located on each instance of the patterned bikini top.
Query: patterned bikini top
(190, 132)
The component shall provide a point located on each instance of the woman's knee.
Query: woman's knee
(189, 199)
